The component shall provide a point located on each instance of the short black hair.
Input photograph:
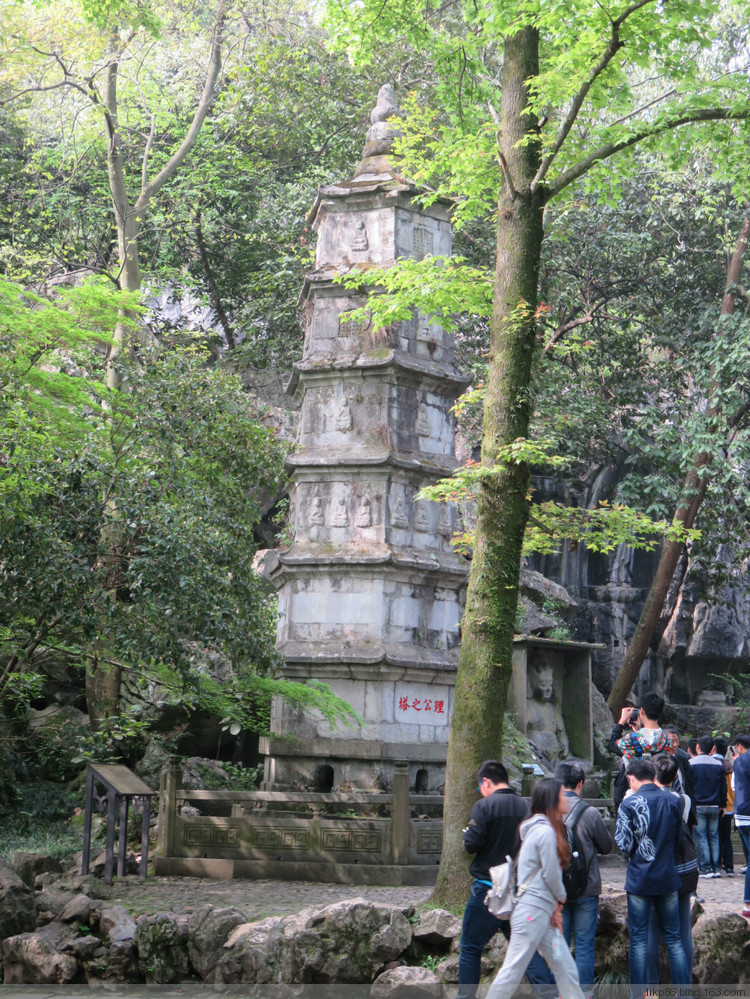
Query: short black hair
(706, 744)
(721, 745)
(641, 769)
(693, 746)
(652, 705)
(744, 740)
(666, 768)
(571, 774)
(494, 771)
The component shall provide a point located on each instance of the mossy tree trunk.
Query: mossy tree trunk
(487, 632)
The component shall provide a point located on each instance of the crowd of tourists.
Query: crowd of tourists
(675, 812)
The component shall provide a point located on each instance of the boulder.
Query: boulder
(722, 948)
(78, 910)
(50, 905)
(447, 970)
(87, 884)
(161, 942)
(438, 927)
(41, 958)
(17, 909)
(28, 865)
(612, 938)
(117, 960)
(116, 923)
(406, 981)
(344, 943)
(207, 933)
(347, 942)
(251, 954)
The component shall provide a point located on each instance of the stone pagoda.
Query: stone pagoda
(370, 590)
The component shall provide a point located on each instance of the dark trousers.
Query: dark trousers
(478, 928)
(726, 850)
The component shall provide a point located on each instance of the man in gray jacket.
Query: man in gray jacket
(590, 835)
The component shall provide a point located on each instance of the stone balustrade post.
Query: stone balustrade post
(400, 816)
(171, 778)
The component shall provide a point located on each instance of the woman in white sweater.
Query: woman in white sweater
(536, 923)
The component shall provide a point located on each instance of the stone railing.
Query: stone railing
(300, 836)
(381, 838)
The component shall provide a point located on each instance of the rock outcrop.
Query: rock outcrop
(352, 942)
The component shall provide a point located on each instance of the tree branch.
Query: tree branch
(204, 105)
(613, 47)
(146, 151)
(566, 328)
(610, 148)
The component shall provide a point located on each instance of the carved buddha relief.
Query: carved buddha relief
(364, 514)
(359, 241)
(344, 417)
(421, 520)
(445, 521)
(398, 514)
(317, 515)
(544, 721)
(341, 515)
(423, 422)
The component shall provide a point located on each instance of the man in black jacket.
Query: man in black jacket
(491, 835)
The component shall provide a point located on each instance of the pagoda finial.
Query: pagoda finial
(381, 133)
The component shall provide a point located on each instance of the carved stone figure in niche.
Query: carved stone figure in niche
(359, 242)
(544, 721)
(421, 523)
(341, 516)
(316, 515)
(398, 514)
(423, 423)
(445, 521)
(344, 418)
(364, 514)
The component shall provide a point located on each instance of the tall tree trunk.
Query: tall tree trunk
(693, 492)
(213, 289)
(486, 657)
(102, 692)
(103, 683)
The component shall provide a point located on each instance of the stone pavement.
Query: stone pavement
(258, 899)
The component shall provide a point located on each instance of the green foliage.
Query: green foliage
(238, 777)
(440, 287)
(119, 529)
(120, 738)
(430, 961)
(38, 821)
(603, 528)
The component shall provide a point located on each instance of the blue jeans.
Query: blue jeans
(744, 832)
(668, 917)
(579, 922)
(706, 836)
(479, 926)
(654, 939)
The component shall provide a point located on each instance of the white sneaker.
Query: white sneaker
(743, 870)
(708, 874)
(716, 874)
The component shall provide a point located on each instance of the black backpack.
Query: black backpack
(576, 874)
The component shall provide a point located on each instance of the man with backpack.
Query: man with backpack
(587, 836)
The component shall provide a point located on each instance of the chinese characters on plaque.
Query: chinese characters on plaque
(421, 705)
